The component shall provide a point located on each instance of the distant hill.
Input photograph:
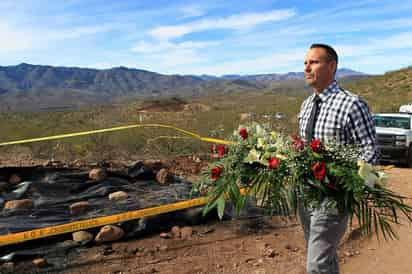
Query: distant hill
(385, 93)
(341, 73)
(27, 87)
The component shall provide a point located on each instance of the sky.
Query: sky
(205, 37)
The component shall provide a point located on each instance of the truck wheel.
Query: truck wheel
(409, 159)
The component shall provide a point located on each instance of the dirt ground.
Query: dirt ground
(275, 245)
(271, 245)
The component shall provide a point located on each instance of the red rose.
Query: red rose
(298, 143)
(319, 170)
(273, 162)
(216, 172)
(316, 145)
(221, 150)
(243, 133)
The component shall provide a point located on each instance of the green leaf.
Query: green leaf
(220, 207)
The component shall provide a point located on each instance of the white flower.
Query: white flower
(252, 157)
(370, 175)
(382, 178)
(364, 169)
(261, 143)
(260, 131)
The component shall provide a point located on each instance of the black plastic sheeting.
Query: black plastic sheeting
(53, 190)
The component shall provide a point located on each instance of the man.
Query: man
(330, 113)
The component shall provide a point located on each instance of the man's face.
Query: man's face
(319, 71)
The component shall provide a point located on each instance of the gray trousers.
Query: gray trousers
(323, 228)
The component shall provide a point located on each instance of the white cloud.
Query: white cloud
(12, 40)
(15, 38)
(378, 45)
(277, 61)
(163, 46)
(239, 21)
(76, 32)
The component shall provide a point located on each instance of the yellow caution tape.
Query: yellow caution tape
(96, 222)
(61, 136)
(100, 221)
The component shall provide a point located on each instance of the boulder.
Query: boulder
(165, 235)
(163, 176)
(19, 204)
(109, 233)
(118, 196)
(79, 207)
(82, 236)
(97, 174)
(175, 231)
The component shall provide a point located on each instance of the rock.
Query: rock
(248, 260)
(118, 196)
(165, 235)
(82, 236)
(14, 179)
(40, 262)
(270, 252)
(79, 207)
(348, 254)
(175, 231)
(109, 233)
(97, 174)
(19, 204)
(77, 163)
(186, 232)
(164, 177)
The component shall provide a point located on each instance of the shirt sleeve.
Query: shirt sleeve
(362, 130)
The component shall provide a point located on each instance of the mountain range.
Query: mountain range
(27, 87)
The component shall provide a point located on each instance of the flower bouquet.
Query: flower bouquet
(281, 171)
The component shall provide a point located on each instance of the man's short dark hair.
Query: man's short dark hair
(330, 52)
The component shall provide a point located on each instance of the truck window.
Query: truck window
(395, 122)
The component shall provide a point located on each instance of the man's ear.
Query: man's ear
(333, 66)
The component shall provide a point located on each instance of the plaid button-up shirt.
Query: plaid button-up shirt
(344, 118)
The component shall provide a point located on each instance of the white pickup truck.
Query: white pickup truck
(394, 136)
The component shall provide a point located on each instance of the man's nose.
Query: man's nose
(307, 67)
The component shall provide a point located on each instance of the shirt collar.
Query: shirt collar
(328, 91)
